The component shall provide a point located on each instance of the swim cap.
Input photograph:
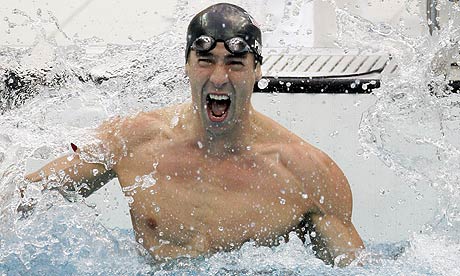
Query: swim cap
(222, 22)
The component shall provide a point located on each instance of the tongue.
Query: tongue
(218, 108)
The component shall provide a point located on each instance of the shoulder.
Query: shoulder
(137, 129)
(321, 178)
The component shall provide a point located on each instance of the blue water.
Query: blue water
(75, 90)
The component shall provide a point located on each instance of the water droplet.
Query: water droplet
(200, 145)
(283, 191)
(313, 234)
(174, 121)
(130, 199)
(168, 177)
(221, 228)
(282, 201)
(147, 181)
(157, 209)
(334, 133)
(321, 199)
(95, 172)
(263, 83)
(304, 196)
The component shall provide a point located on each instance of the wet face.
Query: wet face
(222, 85)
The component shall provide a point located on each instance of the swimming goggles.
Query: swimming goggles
(235, 45)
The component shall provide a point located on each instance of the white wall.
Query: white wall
(122, 21)
(114, 21)
(409, 16)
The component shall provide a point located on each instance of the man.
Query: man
(212, 174)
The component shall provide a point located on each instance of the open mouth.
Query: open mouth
(217, 106)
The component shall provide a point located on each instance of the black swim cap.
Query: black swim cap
(224, 21)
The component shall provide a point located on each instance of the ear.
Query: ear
(258, 72)
(187, 65)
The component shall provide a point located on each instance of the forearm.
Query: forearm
(335, 255)
(69, 173)
(334, 241)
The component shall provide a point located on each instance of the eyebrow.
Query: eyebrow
(227, 58)
(242, 56)
(209, 54)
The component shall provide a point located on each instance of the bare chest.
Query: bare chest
(208, 204)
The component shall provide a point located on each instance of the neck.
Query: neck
(228, 144)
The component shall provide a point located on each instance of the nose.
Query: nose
(219, 76)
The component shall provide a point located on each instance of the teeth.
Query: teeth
(219, 97)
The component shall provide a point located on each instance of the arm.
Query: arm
(334, 238)
(70, 173)
(87, 169)
(328, 208)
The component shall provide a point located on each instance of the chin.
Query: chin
(220, 128)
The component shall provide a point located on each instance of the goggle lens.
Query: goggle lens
(235, 45)
(203, 44)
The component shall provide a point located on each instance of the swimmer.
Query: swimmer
(209, 175)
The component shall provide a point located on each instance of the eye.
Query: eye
(236, 64)
(204, 61)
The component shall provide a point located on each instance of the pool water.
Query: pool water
(71, 89)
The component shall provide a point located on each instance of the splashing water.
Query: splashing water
(62, 93)
(414, 125)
